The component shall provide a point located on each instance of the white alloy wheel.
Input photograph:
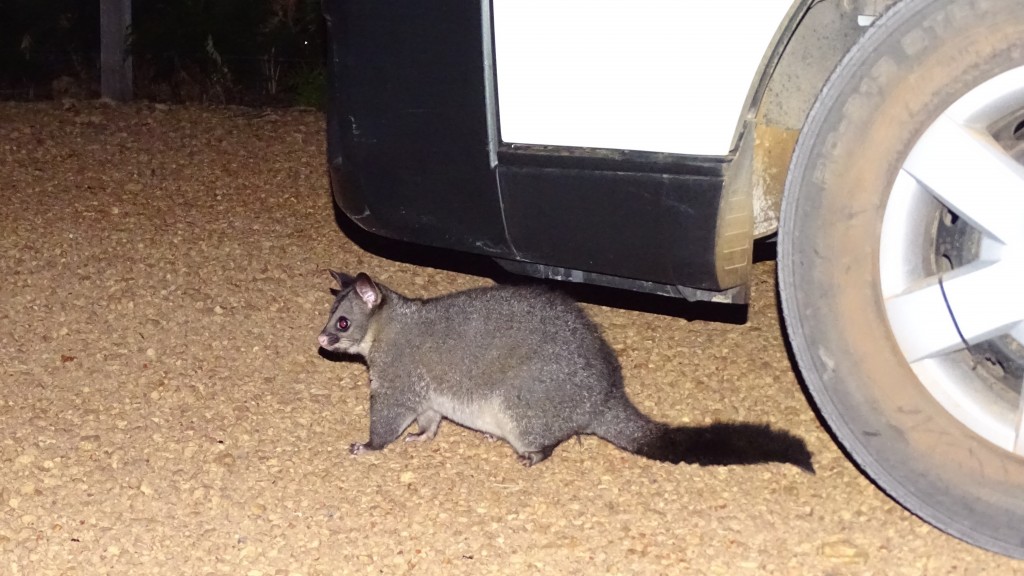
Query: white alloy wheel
(951, 260)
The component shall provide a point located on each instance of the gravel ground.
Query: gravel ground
(164, 409)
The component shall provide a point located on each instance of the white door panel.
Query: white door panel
(656, 75)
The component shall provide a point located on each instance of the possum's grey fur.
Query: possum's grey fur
(524, 364)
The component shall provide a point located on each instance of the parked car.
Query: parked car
(648, 144)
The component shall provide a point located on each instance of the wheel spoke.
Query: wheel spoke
(972, 175)
(986, 299)
(983, 297)
(921, 322)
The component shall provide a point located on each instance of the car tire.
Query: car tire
(852, 338)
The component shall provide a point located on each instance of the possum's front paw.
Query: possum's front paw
(356, 449)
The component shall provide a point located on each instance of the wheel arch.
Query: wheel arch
(808, 46)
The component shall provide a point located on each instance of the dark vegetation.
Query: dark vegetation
(250, 52)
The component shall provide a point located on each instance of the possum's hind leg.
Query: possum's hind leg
(535, 439)
(428, 422)
(534, 457)
(535, 445)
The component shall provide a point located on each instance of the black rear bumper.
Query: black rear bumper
(415, 154)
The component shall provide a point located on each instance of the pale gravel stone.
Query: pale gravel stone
(843, 550)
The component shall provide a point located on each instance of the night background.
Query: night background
(248, 52)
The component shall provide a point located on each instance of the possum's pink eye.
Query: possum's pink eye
(343, 324)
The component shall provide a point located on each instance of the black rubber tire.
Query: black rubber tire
(913, 64)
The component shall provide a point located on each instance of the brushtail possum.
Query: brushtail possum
(524, 364)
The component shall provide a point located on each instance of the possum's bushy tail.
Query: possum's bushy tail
(718, 444)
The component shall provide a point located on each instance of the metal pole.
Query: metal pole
(115, 61)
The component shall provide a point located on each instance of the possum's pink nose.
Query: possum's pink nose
(323, 340)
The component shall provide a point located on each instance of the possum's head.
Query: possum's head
(348, 327)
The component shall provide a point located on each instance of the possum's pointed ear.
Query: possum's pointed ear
(343, 280)
(368, 291)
